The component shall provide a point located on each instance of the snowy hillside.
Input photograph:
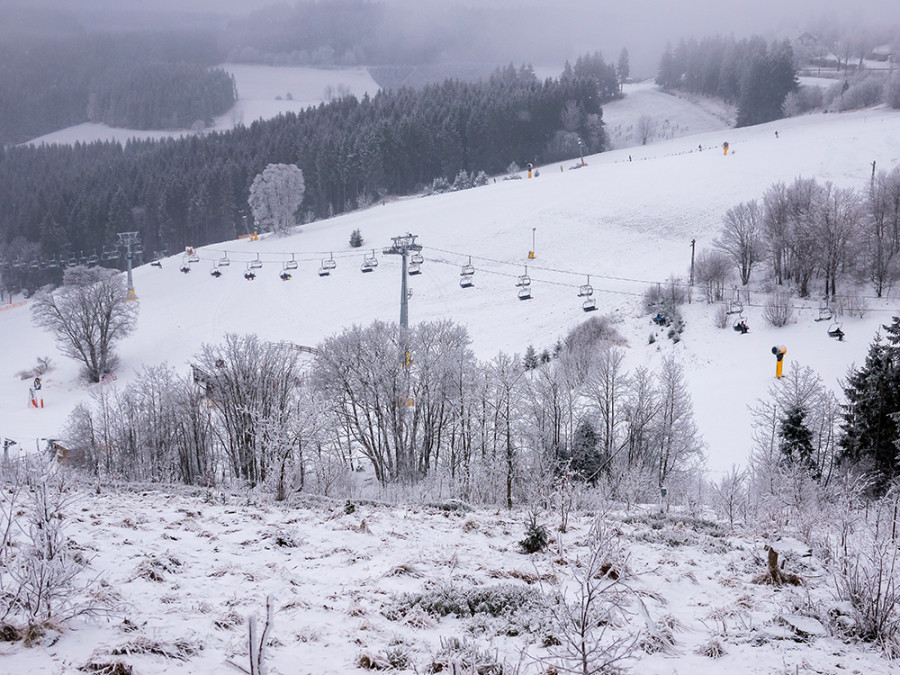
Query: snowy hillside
(626, 219)
(181, 569)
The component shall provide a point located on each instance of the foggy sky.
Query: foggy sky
(563, 29)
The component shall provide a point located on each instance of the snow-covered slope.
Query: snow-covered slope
(626, 219)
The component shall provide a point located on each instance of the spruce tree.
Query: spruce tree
(796, 439)
(870, 427)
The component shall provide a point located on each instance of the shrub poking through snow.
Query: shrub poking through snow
(536, 536)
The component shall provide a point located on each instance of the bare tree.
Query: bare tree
(645, 128)
(838, 220)
(712, 270)
(881, 232)
(275, 196)
(87, 315)
(741, 237)
(776, 209)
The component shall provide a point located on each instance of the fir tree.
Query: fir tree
(796, 438)
(531, 359)
(870, 427)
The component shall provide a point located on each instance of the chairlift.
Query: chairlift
(586, 290)
(35, 264)
(371, 260)
(366, 265)
(466, 281)
(224, 260)
(414, 268)
(71, 260)
(93, 259)
(589, 305)
(825, 311)
(525, 293)
(467, 270)
(53, 263)
(192, 256)
(735, 306)
(524, 280)
(285, 275)
(185, 267)
(329, 263)
(250, 275)
(215, 271)
(835, 331)
(290, 264)
(18, 263)
(255, 264)
(138, 248)
(740, 326)
(416, 258)
(324, 270)
(110, 253)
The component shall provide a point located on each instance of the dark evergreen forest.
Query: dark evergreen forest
(47, 82)
(63, 202)
(161, 96)
(749, 73)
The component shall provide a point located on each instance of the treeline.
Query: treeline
(486, 431)
(749, 73)
(46, 81)
(806, 231)
(193, 191)
(161, 96)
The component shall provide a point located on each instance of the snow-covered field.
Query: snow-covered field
(627, 220)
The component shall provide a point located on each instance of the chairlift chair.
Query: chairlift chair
(835, 331)
(249, 274)
(416, 258)
(215, 271)
(185, 267)
(466, 281)
(192, 256)
(224, 261)
(525, 293)
(524, 280)
(735, 306)
(71, 260)
(93, 258)
(256, 264)
(35, 264)
(53, 263)
(589, 305)
(371, 260)
(324, 270)
(825, 312)
(110, 253)
(291, 264)
(414, 268)
(467, 270)
(285, 275)
(366, 265)
(329, 263)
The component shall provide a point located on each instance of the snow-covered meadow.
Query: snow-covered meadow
(181, 570)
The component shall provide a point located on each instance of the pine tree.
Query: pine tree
(356, 239)
(796, 438)
(870, 427)
(586, 462)
(531, 359)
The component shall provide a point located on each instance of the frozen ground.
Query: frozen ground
(184, 572)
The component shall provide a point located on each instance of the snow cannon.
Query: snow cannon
(725, 147)
(779, 351)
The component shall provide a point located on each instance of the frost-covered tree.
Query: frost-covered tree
(741, 237)
(275, 196)
(87, 315)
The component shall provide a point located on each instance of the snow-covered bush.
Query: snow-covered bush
(803, 100)
(862, 94)
(778, 310)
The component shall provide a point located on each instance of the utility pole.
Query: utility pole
(128, 239)
(402, 246)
